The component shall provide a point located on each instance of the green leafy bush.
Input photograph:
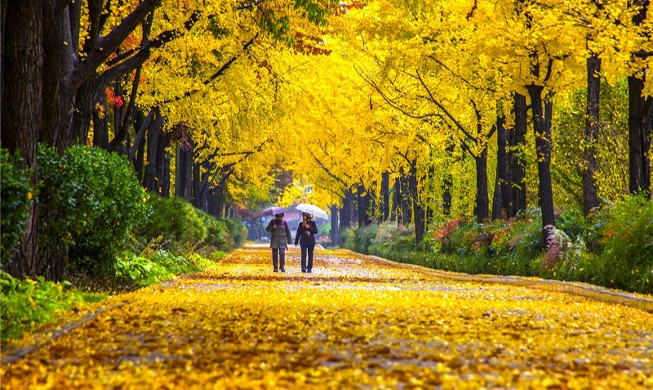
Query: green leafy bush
(392, 237)
(15, 195)
(325, 229)
(173, 219)
(90, 199)
(627, 240)
(360, 238)
(140, 271)
(217, 232)
(237, 230)
(29, 303)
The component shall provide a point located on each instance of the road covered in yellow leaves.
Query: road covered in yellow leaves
(353, 323)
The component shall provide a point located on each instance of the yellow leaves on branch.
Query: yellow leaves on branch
(353, 323)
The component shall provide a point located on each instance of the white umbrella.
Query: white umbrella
(312, 209)
(272, 211)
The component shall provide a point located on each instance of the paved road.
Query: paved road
(353, 323)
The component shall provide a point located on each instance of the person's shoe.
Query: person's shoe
(303, 270)
(283, 269)
(308, 271)
(275, 270)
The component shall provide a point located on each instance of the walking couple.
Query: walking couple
(280, 239)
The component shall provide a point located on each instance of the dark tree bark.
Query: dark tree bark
(22, 107)
(640, 126)
(364, 203)
(101, 126)
(418, 209)
(60, 60)
(447, 183)
(590, 195)
(482, 208)
(346, 213)
(502, 200)
(165, 175)
(154, 139)
(183, 188)
(406, 214)
(385, 194)
(640, 123)
(335, 232)
(139, 162)
(396, 201)
(542, 113)
(515, 162)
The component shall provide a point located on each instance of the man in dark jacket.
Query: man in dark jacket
(305, 236)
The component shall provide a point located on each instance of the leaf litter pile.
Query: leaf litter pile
(353, 323)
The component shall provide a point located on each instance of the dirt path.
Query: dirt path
(353, 323)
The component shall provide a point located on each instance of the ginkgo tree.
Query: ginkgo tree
(75, 50)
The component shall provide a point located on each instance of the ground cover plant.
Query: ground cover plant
(613, 248)
(354, 323)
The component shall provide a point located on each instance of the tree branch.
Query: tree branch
(107, 45)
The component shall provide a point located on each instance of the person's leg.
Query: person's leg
(282, 259)
(310, 248)
(275, 259)
(303, 257)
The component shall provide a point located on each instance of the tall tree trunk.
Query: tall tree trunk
(164, 181)
(447, 183)
(183, 188)
(22, 108)
(482, 208)
(406, 204)
(516, 164)
(138, 153)
(84, 111)
(418, 209)
(196, 181)
(590, 195)
(385, 195)
(396, 201)
(101, 126)
(150, 181)
(501, 202)
(347, 210)
(60, 60)
(640, 125)
(542, 125)
(335, 233)
(363, 200)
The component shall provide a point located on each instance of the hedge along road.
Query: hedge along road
(353, 323)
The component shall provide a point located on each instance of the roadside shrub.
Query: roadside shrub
(26, 304)
(89, 201)
(573, 223)
(237, 230)
(140, 271)
(133, 270)
(392, 237)
(217, 232)
(360, 238)
(174, 220)
(627, 240)
(16, 195)
(325, 229)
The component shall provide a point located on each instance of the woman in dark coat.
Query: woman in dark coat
(305, 236)
(279, 241)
